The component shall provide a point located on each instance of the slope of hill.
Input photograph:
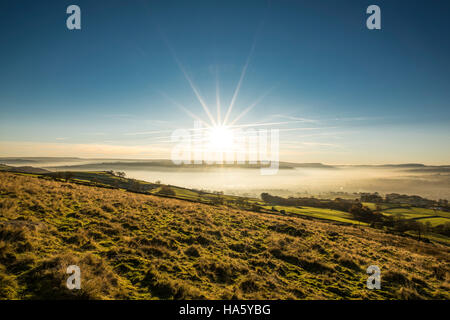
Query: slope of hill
(4, 167)
(130, 165)
(136, 246)
(23, 169)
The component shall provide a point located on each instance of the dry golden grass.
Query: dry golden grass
(134, 246)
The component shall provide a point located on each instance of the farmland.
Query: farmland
(109, 179)
(139, 246)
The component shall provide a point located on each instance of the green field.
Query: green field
(320, 213)
(436, 221)
(435, 217)
(383, 206)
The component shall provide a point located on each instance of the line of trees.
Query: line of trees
(336, 204)
(119, 174)
(412, 200)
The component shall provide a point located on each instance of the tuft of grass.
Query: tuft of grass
(192, 251)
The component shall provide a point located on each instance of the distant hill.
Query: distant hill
(23, 169)
(404, 165)
(36, 159)
(308, 165)
(122, 164)
(17, 160)
(4, 167)
(430, 169)
(168, 163)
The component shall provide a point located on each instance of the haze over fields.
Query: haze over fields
(292, 179)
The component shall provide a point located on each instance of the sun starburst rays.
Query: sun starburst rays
(218, 122)
(221, 127)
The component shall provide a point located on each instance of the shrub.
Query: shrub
(249, 285)
(349, 263)
(166, 191)
(192, 251)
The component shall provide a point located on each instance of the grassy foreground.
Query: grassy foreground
(137, 246)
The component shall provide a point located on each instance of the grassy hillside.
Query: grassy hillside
(138, 246)
(111, 180)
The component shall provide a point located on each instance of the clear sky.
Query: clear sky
(338, 92)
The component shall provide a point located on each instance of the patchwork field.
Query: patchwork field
(138, 246)
(319, 213)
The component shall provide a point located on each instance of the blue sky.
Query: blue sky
(344, 94)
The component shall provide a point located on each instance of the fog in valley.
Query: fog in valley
(328, 181)
(303, 182)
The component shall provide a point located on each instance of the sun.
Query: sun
(221, 138)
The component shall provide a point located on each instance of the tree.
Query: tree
(136, 186)
(166, 191)
(121, 174)
(240, 202)
(256, 208)
(363, 213)
(218, 200)
(427, 227)
(64, 175)
(68, 175)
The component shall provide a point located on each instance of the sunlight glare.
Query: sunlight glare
(221, 138)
